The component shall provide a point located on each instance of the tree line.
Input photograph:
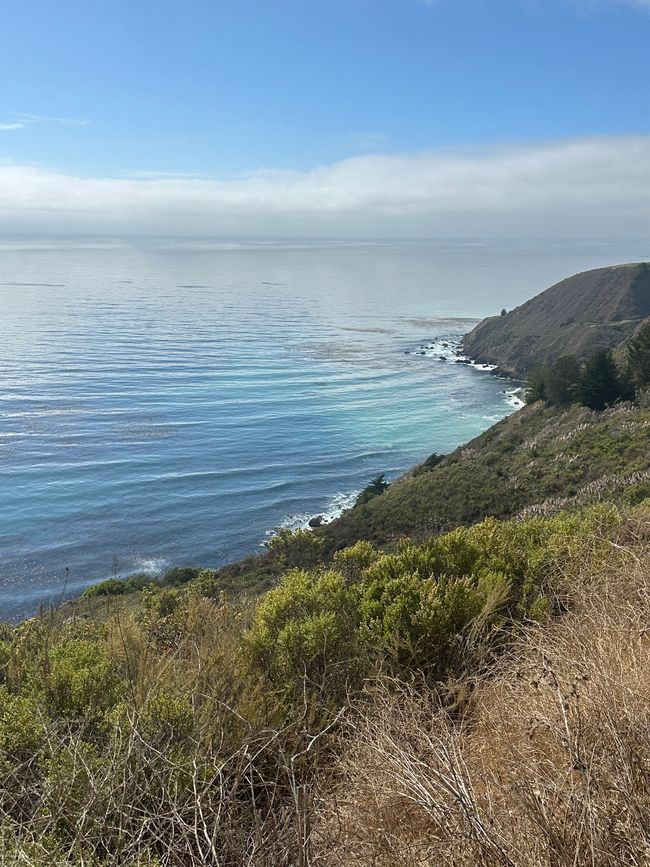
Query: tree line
(597, 383)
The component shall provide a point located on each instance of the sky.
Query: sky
(325, 118)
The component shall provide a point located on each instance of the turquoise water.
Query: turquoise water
(168, 405)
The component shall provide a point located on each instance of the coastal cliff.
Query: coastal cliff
(579, 316)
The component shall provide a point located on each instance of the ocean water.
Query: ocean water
(175, 403)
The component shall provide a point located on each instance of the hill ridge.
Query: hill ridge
(580, 315)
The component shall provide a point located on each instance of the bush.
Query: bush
(109, 587)
(352, 561)
(179, 575)
(21, 728)
(421, 624)
(304, 634)
(81, 681)
(296, 549)
(117, 586)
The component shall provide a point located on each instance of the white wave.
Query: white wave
(514, 397)
(135, 565)
(333, 509)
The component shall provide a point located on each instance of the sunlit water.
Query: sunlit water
(173, 404)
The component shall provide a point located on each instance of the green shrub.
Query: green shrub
(21, 727)
(81, 682)
(297, 548)
(305, 633)
(352, 561)
(636, 494)
(180, 575)
(167, 718)
(109, 587)
(421, 624)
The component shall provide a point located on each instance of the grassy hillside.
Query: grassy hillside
(579, 316)
(535, 460)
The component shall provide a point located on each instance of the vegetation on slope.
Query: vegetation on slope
(538, 459)
(547, 765)
(201, 731)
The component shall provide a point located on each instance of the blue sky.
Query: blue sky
(217, 92)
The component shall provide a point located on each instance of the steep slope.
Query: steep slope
(578, 316)
(536, 460)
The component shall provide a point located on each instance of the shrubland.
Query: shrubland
(201, 729)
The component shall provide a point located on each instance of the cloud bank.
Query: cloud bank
(592, 187)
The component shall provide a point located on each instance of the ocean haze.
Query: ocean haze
(173, 403)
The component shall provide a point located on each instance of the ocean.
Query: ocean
(173, 403)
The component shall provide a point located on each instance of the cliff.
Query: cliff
(579, 316)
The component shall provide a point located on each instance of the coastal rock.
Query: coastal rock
(316, 521)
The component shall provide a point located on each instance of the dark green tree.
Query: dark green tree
(561, 381)
(638, 357)
(376, 487)
(535, 389)
(600, 382)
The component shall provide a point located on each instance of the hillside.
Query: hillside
(580, 315)
(537, 459)
(481, 698)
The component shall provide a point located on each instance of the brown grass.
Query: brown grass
(550, 764)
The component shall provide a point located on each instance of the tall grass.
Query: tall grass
(549, 763)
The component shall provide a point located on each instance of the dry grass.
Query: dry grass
(550, 764)
(196, 783)
(543, 760)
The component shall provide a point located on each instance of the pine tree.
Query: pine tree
(600, 383)
(638, 356)
(376, 487)
(561, 381)
(535, 389)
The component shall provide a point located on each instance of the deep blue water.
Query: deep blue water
(173, 404)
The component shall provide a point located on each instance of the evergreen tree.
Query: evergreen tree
(600, 382)
(561, 381)
(535, 389)
(376, 487)
(638, 356)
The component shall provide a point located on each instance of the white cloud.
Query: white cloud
(575, 188)
(26, 118)
(21, 120)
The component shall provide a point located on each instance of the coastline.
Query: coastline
(443, 350)
(447, 350)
